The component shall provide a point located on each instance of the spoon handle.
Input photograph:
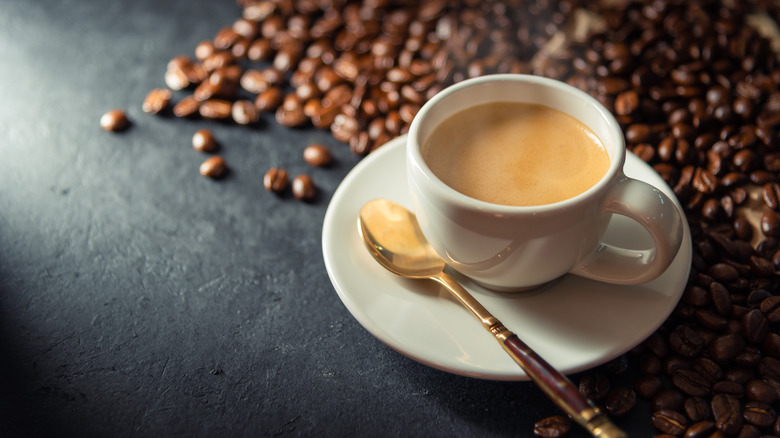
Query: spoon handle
(557, 386)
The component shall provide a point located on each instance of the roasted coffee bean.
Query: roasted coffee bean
(701, 429)
(771, 195)
(244, 112)
(317, 155)
(275, 180)
(759, 414)
(203, 141)
(156, 101)
(743, 229)
(685, 341)
(595, 386)
(758, 390)
(708, 369)
(770, 223)
(626, 102)
(620, 401)
(114, 121)
(727, 413)
(771, 308)
(723, 272)
(691, 383)
(668, 398)
(720, 298)
(269, 99)
(213, 167)
(303, 188)
(215, 109)
(186, 107)
(669, 421)
(648, 385)
(696, 409)
(726, 347)
(755, 326)
(552, 427)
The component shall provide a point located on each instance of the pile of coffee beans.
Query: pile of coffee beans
(695, 86)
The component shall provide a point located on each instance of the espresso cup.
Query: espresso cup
(517, 247)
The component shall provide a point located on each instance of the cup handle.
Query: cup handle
(652, 209)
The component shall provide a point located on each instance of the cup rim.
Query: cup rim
(414, 154)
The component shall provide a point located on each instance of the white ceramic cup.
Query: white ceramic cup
(515, 248)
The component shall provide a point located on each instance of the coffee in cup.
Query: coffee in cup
(516, 153)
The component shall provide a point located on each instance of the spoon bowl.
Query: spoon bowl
(394, 239)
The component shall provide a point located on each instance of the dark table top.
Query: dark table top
(138, 298)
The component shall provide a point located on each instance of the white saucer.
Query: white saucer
(574, 323)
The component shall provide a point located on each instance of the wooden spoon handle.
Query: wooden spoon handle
(557, 386)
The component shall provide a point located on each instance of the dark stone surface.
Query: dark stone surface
(138, 298)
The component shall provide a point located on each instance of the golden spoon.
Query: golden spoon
(394, 239)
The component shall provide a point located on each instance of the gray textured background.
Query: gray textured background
(138, 298)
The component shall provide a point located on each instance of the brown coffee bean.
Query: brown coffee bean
(691, 383)
(303, 188)
(203, 141)
(186, 107)
(216, 109)
(758, 390)
(213, 167)
(704, 181)
(759, 414)
(723, 272)
(620, 401)
(667, 399)
(754, 326)
(114, 121)
(317, 155)
(720, 298)
(686, 341)
(552, 427)
(275, 180)
(770, 223)
(726, 347)
(669, 421)
(648, 385)
(594, 386)
(244, 112)
(696, 408)
(702, 429)
(269, 99)
(771, 195)
(727, 413)
(626, 102)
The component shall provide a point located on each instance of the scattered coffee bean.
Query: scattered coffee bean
(275, 180)
(203, 141)
(556, 426)
(244, 112)
(114, 121)
(303, 188)
(186, 107)
(213, 167)
(317, 155)
(215, 109)
(157, 100)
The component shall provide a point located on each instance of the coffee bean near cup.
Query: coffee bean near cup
(514, 179)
